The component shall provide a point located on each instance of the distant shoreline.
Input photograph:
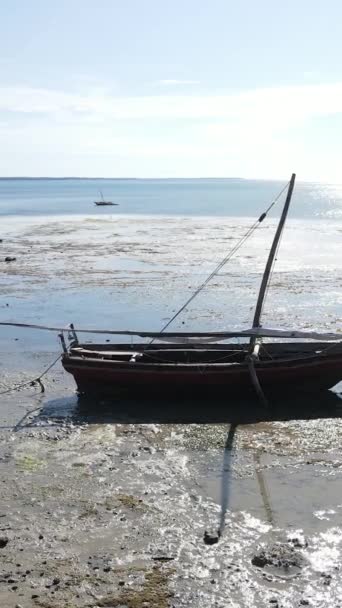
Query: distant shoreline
(23, 178)
(160, 179)
(123, 179)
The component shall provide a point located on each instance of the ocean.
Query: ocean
(194, 197)
(133, 266)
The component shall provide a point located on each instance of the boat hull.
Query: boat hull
(105, 204)
(309, 373)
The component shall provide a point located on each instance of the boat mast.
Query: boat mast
(269, 263)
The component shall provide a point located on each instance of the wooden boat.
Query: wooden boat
(224, 369)
(103, 203)
(209, 364)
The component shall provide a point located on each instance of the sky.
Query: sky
(178, 88)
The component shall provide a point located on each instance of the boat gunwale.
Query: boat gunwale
(72, 361)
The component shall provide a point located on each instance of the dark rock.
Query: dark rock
(298, 543)
(40, 537)
(327, 579)
(34, 596)
(121, 583)
(278, 556)
(304, 602)
(211, 539)
(106, 569)
(9, 259)
(3, 542)
(259, 560)
(56, 581)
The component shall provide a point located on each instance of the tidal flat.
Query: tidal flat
(107, 504)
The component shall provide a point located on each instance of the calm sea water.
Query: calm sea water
(216, 197)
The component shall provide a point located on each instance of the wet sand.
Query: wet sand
(107, 505)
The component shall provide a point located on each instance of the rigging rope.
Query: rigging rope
(225, 260)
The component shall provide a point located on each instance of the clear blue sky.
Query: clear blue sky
(181, 88)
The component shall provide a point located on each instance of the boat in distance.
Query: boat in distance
(210, 363)
(103, 202)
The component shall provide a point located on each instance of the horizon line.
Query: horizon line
(18, 177)
(208, 178)
(76, 177)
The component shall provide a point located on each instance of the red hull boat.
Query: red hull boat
(162, 370)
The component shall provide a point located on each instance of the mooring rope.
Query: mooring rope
(34, 381)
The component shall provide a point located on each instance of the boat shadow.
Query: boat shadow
(196, 411)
